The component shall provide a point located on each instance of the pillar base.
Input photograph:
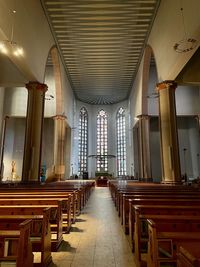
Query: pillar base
(147, 180)
(30, 182)
(172, 182)
(55, 178)
(59, 177)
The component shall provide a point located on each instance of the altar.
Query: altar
(102, 182)
(102, 178)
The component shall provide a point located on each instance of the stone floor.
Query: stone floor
(96, 239)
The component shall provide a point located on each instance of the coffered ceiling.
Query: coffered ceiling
(101, 43)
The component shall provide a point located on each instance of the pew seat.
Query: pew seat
(73, 202)
(141, 213)
(64, 202)
(166, 235)
(16, 246)
(40, 234)
(55, 217)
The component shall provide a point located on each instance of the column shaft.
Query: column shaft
(168, 133)
(33, 134)
(198, 121)
(59, 146)
(144, 147)
(3, 136)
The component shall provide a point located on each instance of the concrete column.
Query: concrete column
(33, 134)
(198, 121)
(59, 146)
(144, 148)
(3, 136)
(168, 133)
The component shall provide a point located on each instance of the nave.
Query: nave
(97, 238)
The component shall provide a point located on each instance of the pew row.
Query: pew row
(26, 200)
(142, 213)
(152, 200)
(126, 199)
(55, 218)
(129, 219)
(28, 194)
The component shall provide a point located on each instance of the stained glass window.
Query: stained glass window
(121, 142)
(102, 141)
(83, 140)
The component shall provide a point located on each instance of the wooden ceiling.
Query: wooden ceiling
(101, 43)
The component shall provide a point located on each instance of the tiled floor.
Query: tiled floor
(97, 238)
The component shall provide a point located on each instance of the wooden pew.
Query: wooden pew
(58, 195)
(77, 196)
(156, 202)
(142, 213)
(185, 201)
(16, 246)
(124, 198)
(40, 232)
(119, 188)
(55, 217)
(82, 189)
(153, 195)
(149, 188)
(144, 190)
(65, 203)
(167, 234)
(188, 256)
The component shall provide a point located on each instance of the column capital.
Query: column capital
(198, 120)
(59, 117)
(166, 85)
(143, 116)
(37, 86)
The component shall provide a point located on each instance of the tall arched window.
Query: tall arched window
(102, 141)
(83, 140)
(121, 142)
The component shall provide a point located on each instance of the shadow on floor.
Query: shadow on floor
(65, 246)
(53, 265)
(76, 229)
(80, 220)
(83, 212)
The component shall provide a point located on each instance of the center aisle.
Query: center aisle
(97, 238)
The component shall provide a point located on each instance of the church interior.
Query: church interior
(100, 133)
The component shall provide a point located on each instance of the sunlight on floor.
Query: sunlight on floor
(97, 238)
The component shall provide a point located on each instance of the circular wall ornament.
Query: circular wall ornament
(185, 45)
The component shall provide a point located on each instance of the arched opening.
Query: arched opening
(56, 133)
(147, 163)
(188, 110)
(153, 114)
(13, 105)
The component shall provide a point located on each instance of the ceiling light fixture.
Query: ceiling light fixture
(10, 46)
(186, 44)
(153, 95)
(49, 97)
